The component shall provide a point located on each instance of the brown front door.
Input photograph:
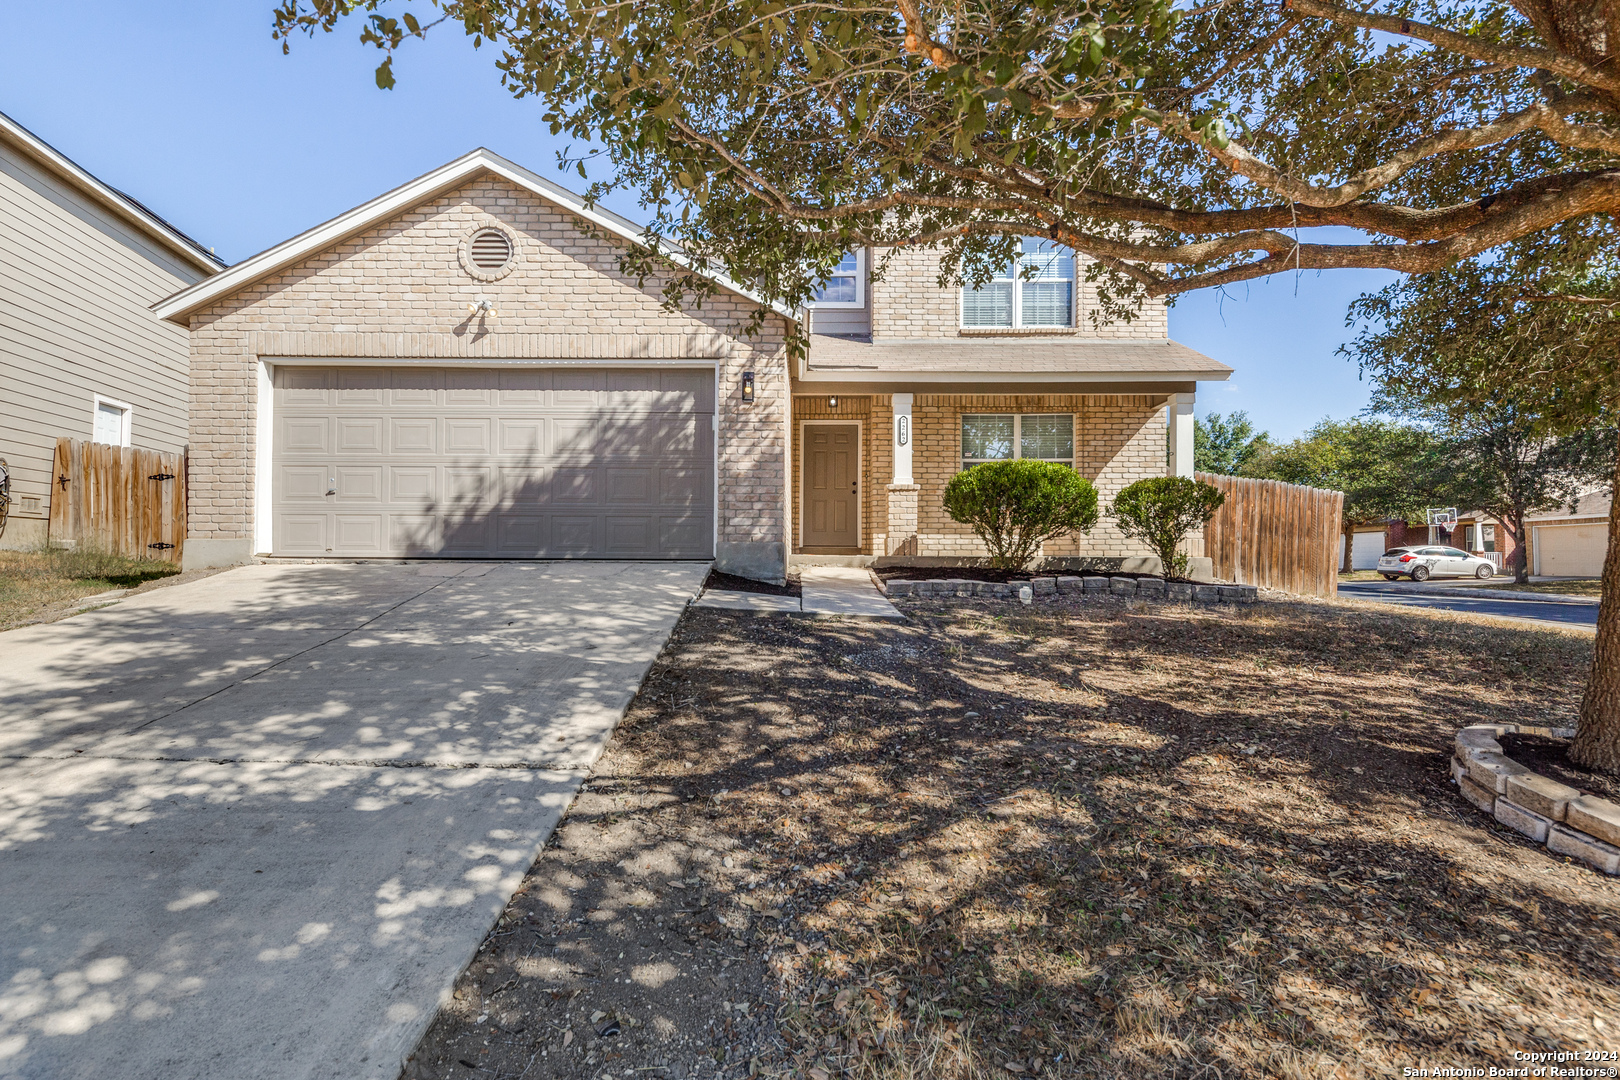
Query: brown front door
(832, 473)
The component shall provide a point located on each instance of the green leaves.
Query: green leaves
(1161, 511)
(1015, 506)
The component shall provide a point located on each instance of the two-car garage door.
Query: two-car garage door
(493, 462)
(1570, 550)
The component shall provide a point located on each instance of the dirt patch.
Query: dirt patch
(1550, 758)
(1087, 838)
(733, 583)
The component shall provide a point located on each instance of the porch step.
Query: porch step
(831, 560)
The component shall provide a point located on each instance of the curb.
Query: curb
(1488, 594)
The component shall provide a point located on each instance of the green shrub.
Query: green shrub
(1161, 512)
(1015, 506)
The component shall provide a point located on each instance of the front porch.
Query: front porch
(869, 469)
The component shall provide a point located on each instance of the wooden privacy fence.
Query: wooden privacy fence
(1275, 535)
(119, 499)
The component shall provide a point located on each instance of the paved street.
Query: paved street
(1538, 610)
(253, 826)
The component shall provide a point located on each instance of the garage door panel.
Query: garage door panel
(363, 483)
(573, 534)
(463, 435)
(303, 483)
(302, 534)
(685, 487)
(573, 486)
(304, 435)
(358, 534)
(466, 487)
(413, 534)
(493, 462)
(412, 483)
(574, 436)
(685, 537)
(629, 486)
(415, 388)
(525, 486)
(522, 535)
(413, 435)
(523, 387)
(466, 534)
(360, 435)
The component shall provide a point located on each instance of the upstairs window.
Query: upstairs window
(845, 287)
(1035, 290)
(1008, 436)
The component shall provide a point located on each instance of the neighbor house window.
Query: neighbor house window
(1007, 436)
(845, 287)
(1036, 289)
(110, 422)
(1468, 542)
(1488, 533)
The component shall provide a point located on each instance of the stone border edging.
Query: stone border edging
(1472, 592)
(1569, 822)
(1148, 588)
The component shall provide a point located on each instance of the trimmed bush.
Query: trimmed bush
(1161, 512)
(1016, 506)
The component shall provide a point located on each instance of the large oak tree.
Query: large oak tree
(1179, 143)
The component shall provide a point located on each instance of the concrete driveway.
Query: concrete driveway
(254, 825)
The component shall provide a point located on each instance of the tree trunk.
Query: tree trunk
(1597, 740)
(1521, 549)
(1349, 542)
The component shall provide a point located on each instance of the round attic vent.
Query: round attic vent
(490, 250)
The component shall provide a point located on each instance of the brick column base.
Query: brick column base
(902, 534)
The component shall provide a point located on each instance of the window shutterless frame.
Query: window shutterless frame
(845, 287)
(996, 425)
(1045, 299)
(107, 414)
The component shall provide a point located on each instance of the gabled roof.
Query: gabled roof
(108, 197)
(181, 305)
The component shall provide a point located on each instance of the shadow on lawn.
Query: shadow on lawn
(1171, 842)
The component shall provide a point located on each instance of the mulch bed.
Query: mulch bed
(717, 580)
(1082, 839)
(980, 573)
(1550, 758)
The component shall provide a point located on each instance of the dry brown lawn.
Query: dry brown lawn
(37, 586)
(1090, 838)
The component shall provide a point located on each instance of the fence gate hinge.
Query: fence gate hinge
(160, 545)
(161, 476)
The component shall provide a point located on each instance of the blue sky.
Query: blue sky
(191, 108)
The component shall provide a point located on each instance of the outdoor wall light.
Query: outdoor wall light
(748, 388)
(832, 403)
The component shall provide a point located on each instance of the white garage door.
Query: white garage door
(1365, 552)
(1570, 550)
(494, 463)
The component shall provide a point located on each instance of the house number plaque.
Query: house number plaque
(903, 430)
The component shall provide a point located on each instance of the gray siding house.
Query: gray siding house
(81, 352)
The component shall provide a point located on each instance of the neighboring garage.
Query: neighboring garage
(493, 462)
(1569, 550)
(1365, 550)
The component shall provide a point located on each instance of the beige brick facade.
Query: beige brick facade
(1119, 439)
(398, 291)
(908, 303)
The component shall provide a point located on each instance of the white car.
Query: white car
(1422, 563)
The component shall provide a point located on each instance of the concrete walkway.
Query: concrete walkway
(253, 826)
(829, 592)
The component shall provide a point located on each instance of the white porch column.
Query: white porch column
(1179, 417)
(902, 438)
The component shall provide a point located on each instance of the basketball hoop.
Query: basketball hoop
(1446, 517)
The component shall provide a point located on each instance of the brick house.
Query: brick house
(460, 369)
